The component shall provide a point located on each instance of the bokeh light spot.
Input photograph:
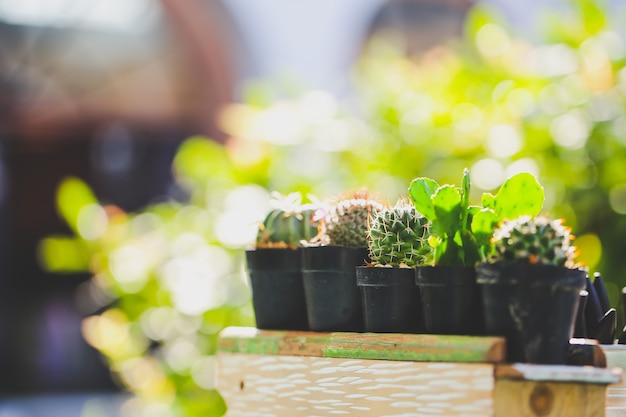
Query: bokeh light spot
(195, 285)
(130, 266)
(520, 102)
(589, 250)
(503, 141)
(522, 165)
(555, 60)
(487, 174)
(204, 372)
(570, 130)
(617, 198)
(92, 221)
(492, 40)
(466, 117)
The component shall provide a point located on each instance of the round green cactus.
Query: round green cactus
(346, 222)
(537, 240)
(398, 237)
(288, 224)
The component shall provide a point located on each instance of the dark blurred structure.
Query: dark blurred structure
(419, 25)
(110, 106)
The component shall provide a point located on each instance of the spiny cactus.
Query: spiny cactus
(346, 222)
(536, 240)
(288, 224)
(398, 237)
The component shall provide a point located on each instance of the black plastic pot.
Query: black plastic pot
(277, 288)
(450, 300)
(533, 306)
(332, 297)
(390, 299)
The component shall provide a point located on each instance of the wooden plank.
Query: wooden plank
(255, 385)
(389, 346)
(284, 373)
(616, 393)
(558, 373)
(513, 398)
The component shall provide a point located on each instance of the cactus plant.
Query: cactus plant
(531, 288)
(398, 237)
(461, 232)
(288, 223)
(346, 222)
(537, 240)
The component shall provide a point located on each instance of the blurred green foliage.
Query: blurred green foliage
(168, 278)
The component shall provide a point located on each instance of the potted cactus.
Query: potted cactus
(329, 261)
(460, 236)
(397, 243)
(531, 288)
(274, 265)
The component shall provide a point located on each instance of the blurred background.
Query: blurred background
(140, 139)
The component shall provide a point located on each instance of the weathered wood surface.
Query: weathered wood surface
(277, 385)
(404, 347)
(515, 398)
(286, 374)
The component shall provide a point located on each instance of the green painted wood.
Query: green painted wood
(401, 347)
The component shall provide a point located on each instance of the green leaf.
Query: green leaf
(421, 191)
(447, 207)
(465, 191)
(201, 160)
(465, 188)
(488, 200)
(63, 254)
(451, 254)
(483, 224)
(593, 16)
(73, 195)
(520, 195)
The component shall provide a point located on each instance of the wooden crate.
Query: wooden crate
(279, 373)
(616, 393)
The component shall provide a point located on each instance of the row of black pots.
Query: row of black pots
(309, 288)
(435, 300)
(328, 289)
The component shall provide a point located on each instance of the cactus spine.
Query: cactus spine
(398, 237)
(288, 224)
(536, 240)
(346, 222)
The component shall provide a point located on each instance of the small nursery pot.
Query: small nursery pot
(533, 306)
(332, 296)
(390, 299)
(277, 288)
(450, 300)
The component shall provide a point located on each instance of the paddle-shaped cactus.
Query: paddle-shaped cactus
(460, 232)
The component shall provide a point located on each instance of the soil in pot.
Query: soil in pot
(450, 300)
(332, 297)
(390, 299)
(277, 289)
(533, 306)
